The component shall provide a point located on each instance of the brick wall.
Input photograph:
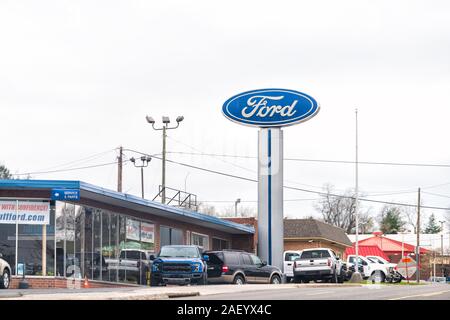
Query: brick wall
(36, 282)
(304, 244)
(250, 247)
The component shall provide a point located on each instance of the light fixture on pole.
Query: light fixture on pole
(164, 128)
(236, 205)
(145, 161)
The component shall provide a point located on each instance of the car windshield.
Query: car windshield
(179, 252)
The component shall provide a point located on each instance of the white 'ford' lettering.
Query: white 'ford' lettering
(257, 105)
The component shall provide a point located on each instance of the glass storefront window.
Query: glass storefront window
(200, 240)
(8, 244)
(83, 241)
(171, 236)
(37, 257)
(219, 244)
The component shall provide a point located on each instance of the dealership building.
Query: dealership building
(48, 228)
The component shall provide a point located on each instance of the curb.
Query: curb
(11, 295)
(328, 285)
(183, 294)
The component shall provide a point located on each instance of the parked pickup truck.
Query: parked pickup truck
(392, 268)
(372, 270)
(319, 264)
(132, 265)
(180, 265)
(288, 264)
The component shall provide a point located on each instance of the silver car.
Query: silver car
(5, 273)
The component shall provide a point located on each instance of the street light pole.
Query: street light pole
(356, 276)
(163, 185)
(164, 129)
(235, 206)
(145, 160)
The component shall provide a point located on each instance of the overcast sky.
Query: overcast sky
(78, 77)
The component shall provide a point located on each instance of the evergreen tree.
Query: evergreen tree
(391, 220)
(432, 226)
(4, 173)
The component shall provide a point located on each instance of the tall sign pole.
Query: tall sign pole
(356, 198)
(270, 110)
(270, 194)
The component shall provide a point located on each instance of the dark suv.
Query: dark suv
(239, 267)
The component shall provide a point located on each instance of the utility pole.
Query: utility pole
(119, 169)
(442, 247)
(418, 238)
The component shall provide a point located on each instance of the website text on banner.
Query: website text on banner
(27, 212)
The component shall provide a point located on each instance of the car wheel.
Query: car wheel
(288, 279)
(382, 276)
(239, 280)
(5, 280)
(275, 279)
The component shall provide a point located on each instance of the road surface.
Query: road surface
(366, 292)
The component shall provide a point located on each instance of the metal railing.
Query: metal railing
(178, 198)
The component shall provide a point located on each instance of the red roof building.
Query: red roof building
(367, 251)
(390, 247)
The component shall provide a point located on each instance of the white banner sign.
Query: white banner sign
(28, 212)
(132, 229)
(147, 232)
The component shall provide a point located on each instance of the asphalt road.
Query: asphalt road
(245, 292)
(367, 292)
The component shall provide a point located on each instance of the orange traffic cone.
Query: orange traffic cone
(86, 282)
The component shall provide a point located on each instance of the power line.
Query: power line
(71, 169)
(436, 194)
(323, 160)
(293, 188)
(253, 201)
(94, 156)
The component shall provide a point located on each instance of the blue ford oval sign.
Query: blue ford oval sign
(270, 107)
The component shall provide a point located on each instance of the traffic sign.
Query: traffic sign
(407, 267)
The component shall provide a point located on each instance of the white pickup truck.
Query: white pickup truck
(371, 270)
(319, 264)
(288, 264)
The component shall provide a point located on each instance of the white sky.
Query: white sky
(78, 77)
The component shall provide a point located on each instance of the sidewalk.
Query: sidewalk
(154, 293)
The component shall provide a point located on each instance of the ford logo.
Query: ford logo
(270, 107)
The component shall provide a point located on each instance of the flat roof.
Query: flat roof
(89, 191)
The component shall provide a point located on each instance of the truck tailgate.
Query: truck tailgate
(311, 264)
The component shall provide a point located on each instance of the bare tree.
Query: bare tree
(410, 214)
(207, 209)
(243, 211)
(339, 210)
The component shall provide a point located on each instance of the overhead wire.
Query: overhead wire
(294, 188)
